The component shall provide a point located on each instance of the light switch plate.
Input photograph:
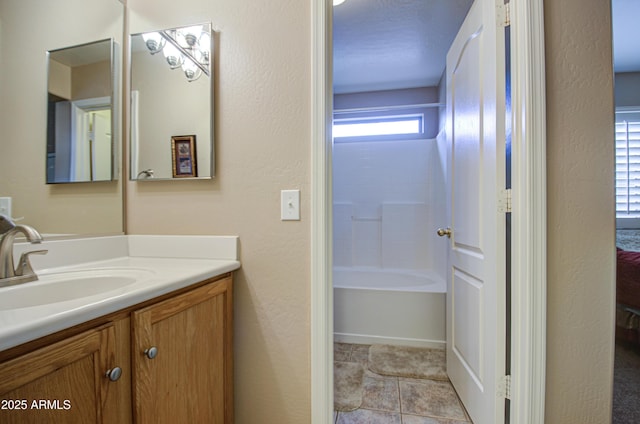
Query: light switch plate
(290, 205)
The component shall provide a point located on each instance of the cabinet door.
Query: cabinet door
(188, 380)
(62, 383)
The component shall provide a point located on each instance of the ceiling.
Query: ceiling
(388, 44)
(83, 54)
(393, 44)
(626, 37)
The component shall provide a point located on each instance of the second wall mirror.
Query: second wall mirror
(81, 141)
(172, 104)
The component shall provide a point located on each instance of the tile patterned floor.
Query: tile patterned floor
(399, 400)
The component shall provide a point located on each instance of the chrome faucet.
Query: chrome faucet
(9, 275)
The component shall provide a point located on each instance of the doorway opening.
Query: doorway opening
(626, 46)
(529, 232)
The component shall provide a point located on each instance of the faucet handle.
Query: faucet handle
(24, 265)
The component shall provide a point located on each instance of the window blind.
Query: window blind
(628, 164)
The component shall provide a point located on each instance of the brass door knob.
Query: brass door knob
(444, 232)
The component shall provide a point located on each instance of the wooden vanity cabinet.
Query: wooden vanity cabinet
(67, 382)
(182, 358)
(189, 378)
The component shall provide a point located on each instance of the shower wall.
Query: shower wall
(388, 201)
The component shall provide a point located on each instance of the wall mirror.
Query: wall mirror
(55, 210)
(81, 141)
(171, 104)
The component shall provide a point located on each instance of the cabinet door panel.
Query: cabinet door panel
(186, 380)
(64, 382)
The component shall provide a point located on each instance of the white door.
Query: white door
(101, 150)
(475, 274)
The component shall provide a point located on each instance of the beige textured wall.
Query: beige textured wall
(262, 114)
(59, 81)
(64, 208)
(581, 219)
(93, 80)
(262, 136)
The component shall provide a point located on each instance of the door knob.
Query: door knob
(444, 232)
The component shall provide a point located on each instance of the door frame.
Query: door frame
(528, 270)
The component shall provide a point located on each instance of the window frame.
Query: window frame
(622, 221)
(371, 117)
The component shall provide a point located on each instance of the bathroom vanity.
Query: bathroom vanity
(157, 350)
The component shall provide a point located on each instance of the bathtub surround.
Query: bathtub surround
(388, 196)
(388, 307)
(388, 274)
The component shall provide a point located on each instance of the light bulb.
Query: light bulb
(188, 36)
(191, 70)
(173, 56)
(154, 41)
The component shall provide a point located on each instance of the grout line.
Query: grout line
(399, 396)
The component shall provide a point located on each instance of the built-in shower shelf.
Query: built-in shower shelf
(355, 218)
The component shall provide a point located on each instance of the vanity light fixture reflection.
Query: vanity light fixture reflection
(188, 48)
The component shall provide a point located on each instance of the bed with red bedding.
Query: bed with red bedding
(628, 295)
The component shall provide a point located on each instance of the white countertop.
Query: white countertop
(177, 263)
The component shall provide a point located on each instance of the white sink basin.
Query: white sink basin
(70, 285)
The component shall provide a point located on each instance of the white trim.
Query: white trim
(134, 122)
(96, 103)
(529, 226)
(627, 223)
(321, 205)
(627, 109)
(399, 341)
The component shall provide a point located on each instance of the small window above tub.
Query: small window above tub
(372, 128)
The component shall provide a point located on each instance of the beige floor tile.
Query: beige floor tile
(381, 394)
(366, 416)
(342, 355)
(360, 353)
(342, 347)
(414, 419)
(398, 400)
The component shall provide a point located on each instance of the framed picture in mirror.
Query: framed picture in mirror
(183, 156)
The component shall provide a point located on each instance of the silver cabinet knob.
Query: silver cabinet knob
(114, 373)
(152, 352)
(444, 232)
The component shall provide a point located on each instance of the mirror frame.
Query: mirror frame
(134, 171)
(115, 138)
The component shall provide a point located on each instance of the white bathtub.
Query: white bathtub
(389, 307)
